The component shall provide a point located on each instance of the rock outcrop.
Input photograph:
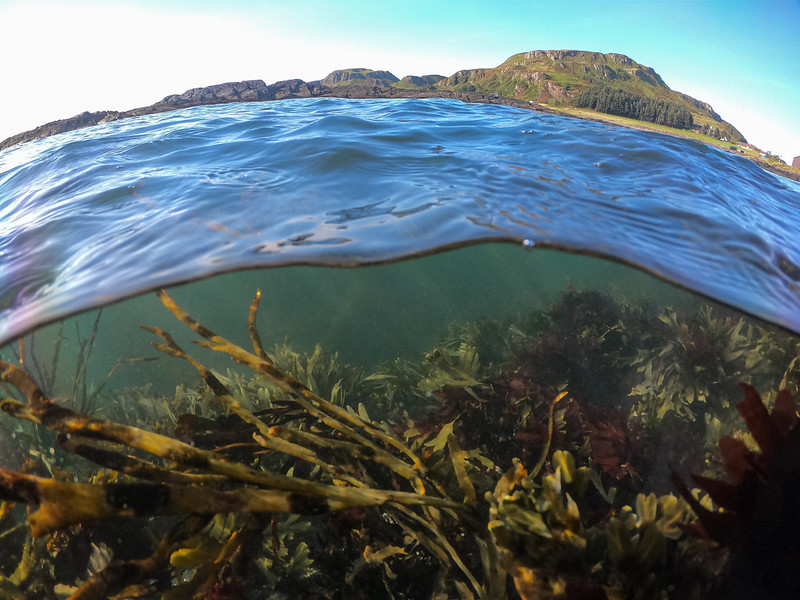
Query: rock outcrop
(553, 55)
(296, 88)
(359, 77)
(704, 106)
(241, 91)
(254, 90)
(85, 119)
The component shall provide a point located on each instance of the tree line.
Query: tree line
(624, 104)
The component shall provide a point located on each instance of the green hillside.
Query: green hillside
(564, 79)
(556, 77)
(414, 82)
(359, 77)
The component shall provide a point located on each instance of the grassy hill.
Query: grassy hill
(556, 77)
(359, 77)
(414, 82)
(553, 78)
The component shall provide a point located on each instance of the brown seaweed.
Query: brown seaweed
(760, 501)
(343, 448)
(268, 460)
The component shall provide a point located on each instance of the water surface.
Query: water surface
(96, 215)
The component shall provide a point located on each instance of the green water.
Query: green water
(367, 315)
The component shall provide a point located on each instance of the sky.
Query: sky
(62, 58)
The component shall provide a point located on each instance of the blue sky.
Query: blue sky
(741, 56)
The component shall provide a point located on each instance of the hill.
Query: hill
(557, 77)
(359, 77)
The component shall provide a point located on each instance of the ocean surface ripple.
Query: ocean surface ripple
(100, 214)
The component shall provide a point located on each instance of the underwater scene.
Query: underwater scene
(395, 349)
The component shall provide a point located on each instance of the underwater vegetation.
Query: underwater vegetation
(543, 457)
(760, 497)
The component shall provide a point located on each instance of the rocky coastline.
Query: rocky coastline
(256, 90)
(252, 91)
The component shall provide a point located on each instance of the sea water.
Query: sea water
(454, 265)
(96, 215)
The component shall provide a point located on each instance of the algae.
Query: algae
(533, 458)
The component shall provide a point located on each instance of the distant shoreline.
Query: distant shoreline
(258, 91)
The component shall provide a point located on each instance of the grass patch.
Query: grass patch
(586, 113)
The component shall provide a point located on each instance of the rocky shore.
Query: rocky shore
(251, 91)
(255, 90)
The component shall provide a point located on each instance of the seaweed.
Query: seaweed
(756, 514)
(696, 369)
(584, 341)
(348, 452)
(552, 549)
(235, 487)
